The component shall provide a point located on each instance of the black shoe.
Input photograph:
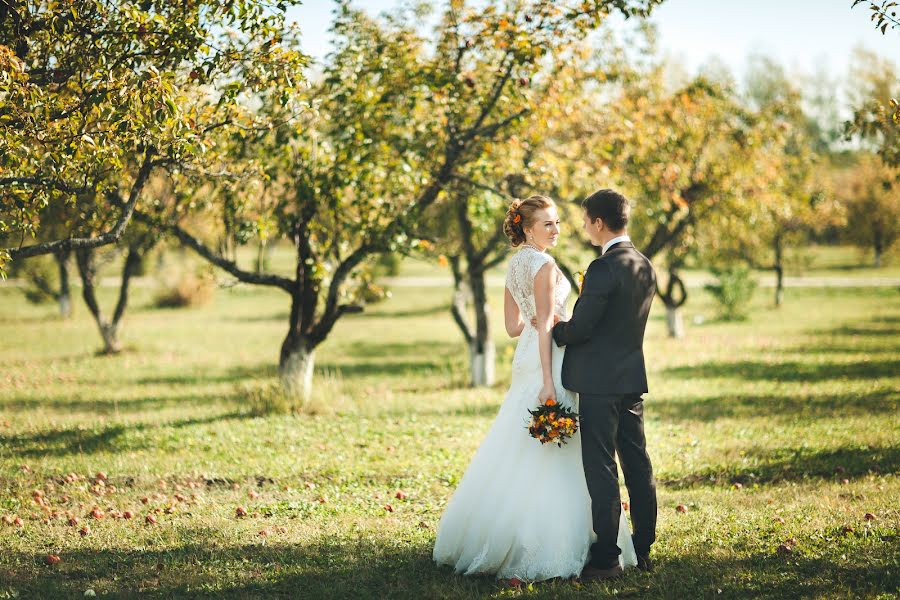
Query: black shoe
(591, 573)
(644, 563)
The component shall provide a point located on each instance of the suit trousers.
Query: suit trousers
(610, 425)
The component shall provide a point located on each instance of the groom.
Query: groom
(604, 364)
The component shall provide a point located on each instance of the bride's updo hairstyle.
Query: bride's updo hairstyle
(521, 215)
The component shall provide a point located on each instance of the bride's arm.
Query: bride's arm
(544, 290)
(511, 315)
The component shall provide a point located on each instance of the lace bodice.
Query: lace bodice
(523, 267)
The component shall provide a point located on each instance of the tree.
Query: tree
(874, 88)
(468, 224)
(137, 245)
(393, 123)
(883, 15)
(787, 202)
(99, 94)
(681, 157)
(473, 242)
(872, 199)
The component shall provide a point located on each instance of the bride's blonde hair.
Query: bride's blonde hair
(520, 215)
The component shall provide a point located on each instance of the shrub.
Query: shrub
(189, 290)
(733, 291)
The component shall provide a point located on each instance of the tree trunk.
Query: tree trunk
(779, 271)
(674, 321)
(65, 294)
(109, 329)
(460, 302)
(87, 268)
(481, 349)
(878, 252)
(675, 287)
(262, 256)
(295, 366)
(779, 286)
(110, 334)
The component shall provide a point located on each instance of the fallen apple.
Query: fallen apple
(53, 559)
(240, 511)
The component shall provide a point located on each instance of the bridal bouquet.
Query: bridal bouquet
(551, 422)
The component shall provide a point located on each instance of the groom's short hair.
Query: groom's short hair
(609, 205)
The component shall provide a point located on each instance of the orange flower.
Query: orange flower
(553, 433)
(550, 402)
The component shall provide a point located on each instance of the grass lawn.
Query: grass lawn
(782, 430)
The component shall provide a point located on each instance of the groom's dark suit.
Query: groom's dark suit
(604, 363)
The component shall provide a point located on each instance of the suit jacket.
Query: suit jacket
(604, 339)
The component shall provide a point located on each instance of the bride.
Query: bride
(522, 509)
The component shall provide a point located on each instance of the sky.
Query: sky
(801, 34)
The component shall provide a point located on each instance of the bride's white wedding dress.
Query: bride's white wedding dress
(522, 510)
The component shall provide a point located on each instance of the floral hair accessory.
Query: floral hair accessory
(517, 218)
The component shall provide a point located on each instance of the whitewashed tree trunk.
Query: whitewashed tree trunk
(65, 295)
(110, 334)
(296, 370)
(675, 322)
(483, 363)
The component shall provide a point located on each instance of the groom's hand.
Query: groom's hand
(556, 319)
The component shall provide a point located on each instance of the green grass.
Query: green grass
(746, 422)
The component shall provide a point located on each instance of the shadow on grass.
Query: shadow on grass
(112, 438)
(788, 370)
(770, 466)
(232, 375)
(376, 569)
(107, 405)
(423, 311)
(409, 350)
(279, 317)
(782, 408)
(854, 331)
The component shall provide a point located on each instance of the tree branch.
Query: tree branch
(217, 259)
(109, 237)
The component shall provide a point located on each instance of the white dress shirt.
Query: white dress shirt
(615, 240)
